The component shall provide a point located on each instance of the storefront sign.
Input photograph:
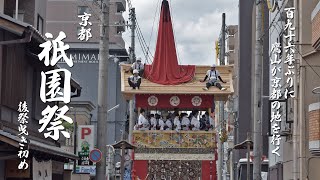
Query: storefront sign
(86, 169)
(85, 143)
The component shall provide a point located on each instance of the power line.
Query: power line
(174, 33)
(273, 20)
(93, 12)
(281, 32)
(154, 18)
(143, 40)
(307, 62)
(142, 45)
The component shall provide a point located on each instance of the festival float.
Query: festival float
(168, 86)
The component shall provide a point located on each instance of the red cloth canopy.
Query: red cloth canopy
(170, 101)
(165, 68)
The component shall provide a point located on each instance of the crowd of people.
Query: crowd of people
(175, 121)
(137, 70)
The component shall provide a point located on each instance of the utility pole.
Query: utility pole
(221, 103)
(223, 40)
(132, 60)
(248, 156)
(133, 36)
(295, 134)
(102, 89)
(75, 129)
(257, 131)
(111, 152)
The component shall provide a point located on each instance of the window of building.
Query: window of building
(281, 44)
(82, 9)
(78, 31)
(231, 47)
(20, 15)
(40, 24)
(231, 31)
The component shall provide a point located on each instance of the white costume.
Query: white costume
(213, 75)
(185, 121)
(153, 123)
(196, 123)
(134, 79)
(161, 124)
(144, 122)
(137, 66)
(211, 121)
(177, 123)
(169, 124)
(135, 127)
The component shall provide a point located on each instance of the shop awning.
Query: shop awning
(14, 140)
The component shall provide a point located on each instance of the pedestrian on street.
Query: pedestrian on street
(213, 76)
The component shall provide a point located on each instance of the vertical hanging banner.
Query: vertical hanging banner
(23, 153)
(84, 33)
(277, 96)
(289, 50)
(54, 87)
(85, 143)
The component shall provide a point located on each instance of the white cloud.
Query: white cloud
(197, 26)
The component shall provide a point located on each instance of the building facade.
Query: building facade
(300, 161)
(232, 52)
(86, 54)
(20, 79)
(244, 120)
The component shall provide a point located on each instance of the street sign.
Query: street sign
(86, 169)
(95, 155)
(85, 138)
